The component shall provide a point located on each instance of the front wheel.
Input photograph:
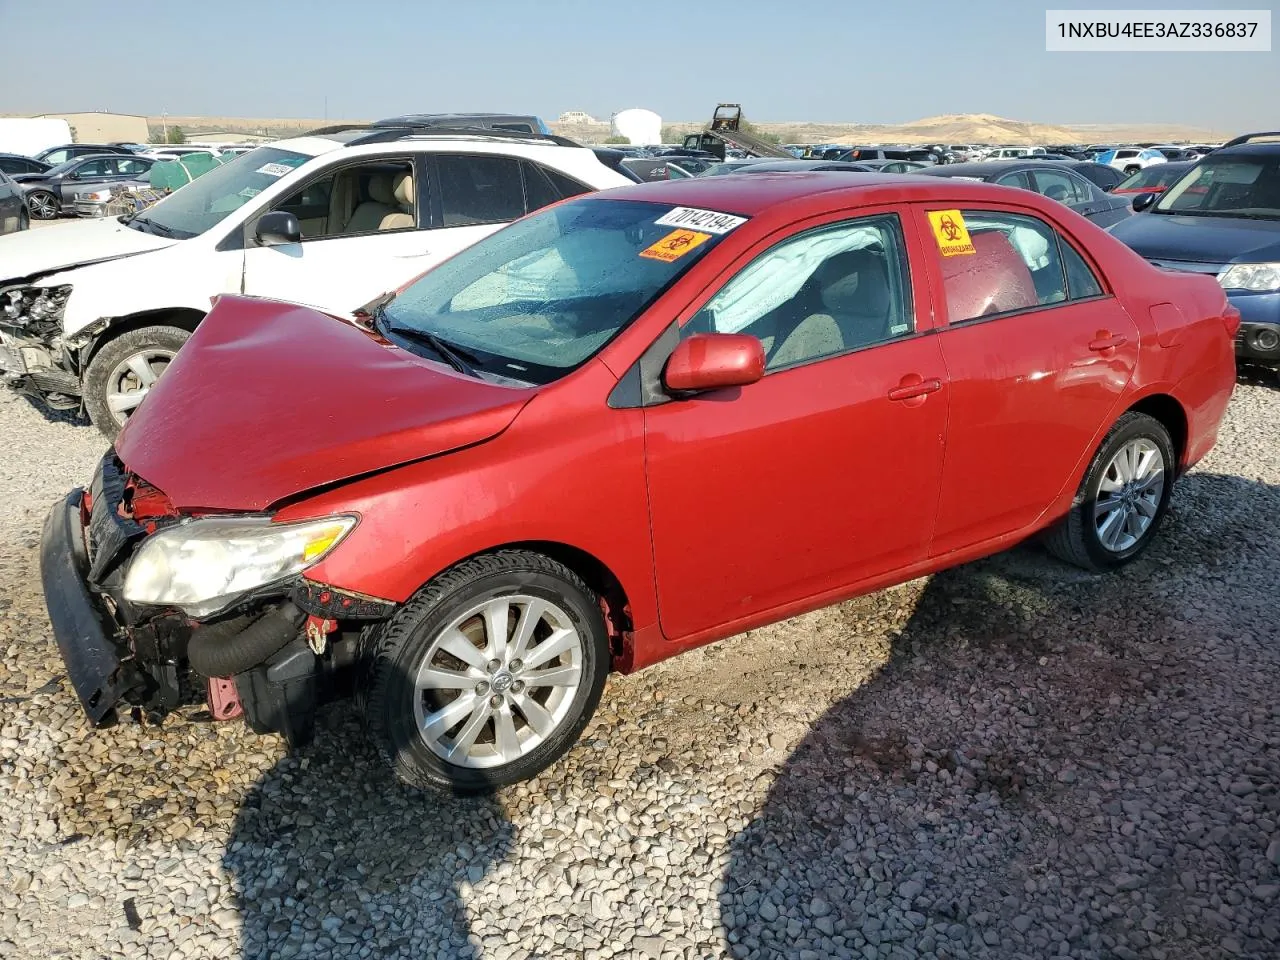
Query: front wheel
(43, 205)
(487, 675)
(124, 370)
(1123, 498)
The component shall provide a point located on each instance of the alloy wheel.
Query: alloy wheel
(132, 379)
(498, 681)
(43, 205)
(1129, 495)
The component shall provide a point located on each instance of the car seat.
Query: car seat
(369, 215)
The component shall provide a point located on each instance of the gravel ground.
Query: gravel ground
(1011, 759)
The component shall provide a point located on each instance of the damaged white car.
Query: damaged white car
(92, 312)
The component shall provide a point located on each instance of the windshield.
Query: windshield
(539, 298)
(192, 209)
(1241, 186)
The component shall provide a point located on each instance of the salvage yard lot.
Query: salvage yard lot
(1011, 759)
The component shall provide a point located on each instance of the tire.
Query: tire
(536, 724)
(1130, 171)
(110, 382)
(1082, 536)
(43, 205)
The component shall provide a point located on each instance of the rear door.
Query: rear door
(826, 472)
(1039, 352)
(88, 176)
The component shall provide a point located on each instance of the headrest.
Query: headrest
(403, 190)
(380, 190)
(854, 283)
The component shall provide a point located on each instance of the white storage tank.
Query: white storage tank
(640, 127)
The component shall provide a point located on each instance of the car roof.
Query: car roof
(751, 196)
(1259, 148)
(981, 168)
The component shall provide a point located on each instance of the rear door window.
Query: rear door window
(479, 189)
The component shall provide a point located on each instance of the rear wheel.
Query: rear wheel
(124, 370)
(487, 675)
(43, 205)
(1123, 498)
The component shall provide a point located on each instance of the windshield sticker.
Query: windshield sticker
(675, 245)
(712, 221)
(249, 193)
(274, 169)
(951, 233)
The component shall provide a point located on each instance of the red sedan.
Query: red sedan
(625, 426)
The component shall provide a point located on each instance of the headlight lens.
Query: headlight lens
(96, 195)
(204, 565)
(35, 303)
(1256, 277)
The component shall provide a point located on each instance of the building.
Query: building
(101, 127)
(576, 116)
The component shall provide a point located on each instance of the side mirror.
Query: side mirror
(710, 361)
(74, 175)
(1143, 200)
(1108, 188)
(278, 227)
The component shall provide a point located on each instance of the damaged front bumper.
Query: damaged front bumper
(285, 652)
(39, 368)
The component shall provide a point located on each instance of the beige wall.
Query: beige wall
(105, 127)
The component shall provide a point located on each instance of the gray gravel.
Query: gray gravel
(1011, 759)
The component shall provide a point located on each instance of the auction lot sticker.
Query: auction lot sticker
(951, 233)
(675, 245)
(712, 221)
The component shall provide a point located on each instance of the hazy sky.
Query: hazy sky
(833, 60)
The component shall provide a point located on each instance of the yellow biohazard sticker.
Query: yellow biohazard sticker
(675, 245)
(951, 233)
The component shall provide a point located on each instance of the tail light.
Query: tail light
(1231, 319)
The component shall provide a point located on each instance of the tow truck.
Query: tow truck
(725, 130)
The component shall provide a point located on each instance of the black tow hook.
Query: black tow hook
(241, 643)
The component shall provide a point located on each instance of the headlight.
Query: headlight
(1257, 277)
(95, 195)
(34, 303)
(204, 565)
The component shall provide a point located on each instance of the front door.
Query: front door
(824, 473)
(1039, 353)
(361, 236)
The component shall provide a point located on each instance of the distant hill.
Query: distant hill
(947, 128)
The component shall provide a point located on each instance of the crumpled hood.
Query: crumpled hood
(31, 252)
(268, 399)
(1159, 236)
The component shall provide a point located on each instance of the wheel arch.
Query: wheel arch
(185, 318)
(1170, 413)
(594, 572)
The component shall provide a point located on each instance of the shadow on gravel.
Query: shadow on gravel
(1051, 764)
(329, 847)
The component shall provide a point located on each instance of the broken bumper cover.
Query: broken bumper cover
(92, 658)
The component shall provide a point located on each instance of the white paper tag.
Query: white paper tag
(274, 169)
(708, 221)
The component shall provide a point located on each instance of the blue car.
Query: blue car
(1223, 217)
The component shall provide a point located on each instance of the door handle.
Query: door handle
(912, 387)
(1105, 341)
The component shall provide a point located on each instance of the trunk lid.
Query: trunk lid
(268, 400)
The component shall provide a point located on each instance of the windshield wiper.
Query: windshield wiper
(461, 360)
